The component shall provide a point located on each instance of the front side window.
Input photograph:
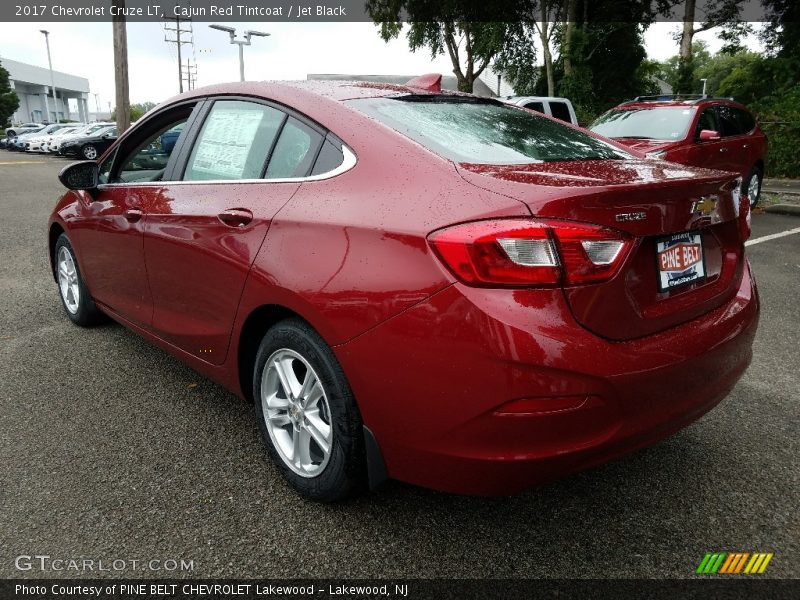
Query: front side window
(148, 160)
(104, 171)
(707, 120)
(235, 141)
(473, 130)
(666, 123)
(537, 106)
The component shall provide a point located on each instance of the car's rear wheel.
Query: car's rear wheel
(75, 298)
(752, 187)
(89, 152)
(307, 414)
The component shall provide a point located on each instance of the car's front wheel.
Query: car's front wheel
(75, 297)
(307, 414)
(752, 187)
(89, 152)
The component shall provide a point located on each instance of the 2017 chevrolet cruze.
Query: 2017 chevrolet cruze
(425, 286)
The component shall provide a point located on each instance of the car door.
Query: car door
(710, 154)
(111, 234)
(239, 166)
(733, 141)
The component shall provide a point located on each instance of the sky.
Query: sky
(292, 51)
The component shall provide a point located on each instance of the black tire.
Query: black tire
(756, 172)
(89, 152)
(345, 471)
(86, 313)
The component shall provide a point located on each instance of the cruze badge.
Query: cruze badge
(705, 206)
(632, 216)
(622, 217)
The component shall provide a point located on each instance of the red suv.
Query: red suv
(715, 133)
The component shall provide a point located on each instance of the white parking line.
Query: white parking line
(772, 236)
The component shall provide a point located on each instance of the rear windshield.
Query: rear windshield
(475, 130)
(656, 123)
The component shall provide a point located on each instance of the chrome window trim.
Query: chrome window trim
(349, 161)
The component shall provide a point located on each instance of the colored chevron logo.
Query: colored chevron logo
(732, 563)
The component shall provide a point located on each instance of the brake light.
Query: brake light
(521, 253)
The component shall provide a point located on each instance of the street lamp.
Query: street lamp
(241, 43)
(52, 79)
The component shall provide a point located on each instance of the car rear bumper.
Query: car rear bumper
(433, 385)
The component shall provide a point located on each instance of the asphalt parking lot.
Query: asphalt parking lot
(111, 449)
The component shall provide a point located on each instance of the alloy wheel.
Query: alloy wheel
(296, 413)
(68, 280)
(754, 189)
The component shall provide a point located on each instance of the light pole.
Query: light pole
(52, 79)
(704, 85)
(241, 43)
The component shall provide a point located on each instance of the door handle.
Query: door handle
(235, 217)
(746, 146)
(723, 149)
(133, 214)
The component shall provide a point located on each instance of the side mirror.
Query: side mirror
(80, 175)
(709, 135)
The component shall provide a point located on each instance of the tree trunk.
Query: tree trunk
(548, 56)
(685, 54)
(572, 11)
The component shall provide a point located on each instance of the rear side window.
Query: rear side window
(537, 106)
(295, 151)
(560, 111)
(234, 142)
(730, 122)
(473, 130)
(745, 120)
(330, 157)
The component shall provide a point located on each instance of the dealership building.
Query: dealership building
(32, 85)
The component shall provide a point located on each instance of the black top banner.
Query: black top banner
(379, 10)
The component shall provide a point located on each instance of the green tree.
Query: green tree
(9, 102)
(446, 27)
(137, 111)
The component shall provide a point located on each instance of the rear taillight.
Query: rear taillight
(519, 253)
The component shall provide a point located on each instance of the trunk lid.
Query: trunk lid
(650, 201)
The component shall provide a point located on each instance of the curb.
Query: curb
(782, 191)
(784, 209)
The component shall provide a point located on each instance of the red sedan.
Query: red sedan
(431, 287)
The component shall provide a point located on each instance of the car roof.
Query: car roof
(534, 98)
(645, 102)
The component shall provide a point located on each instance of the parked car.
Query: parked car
(427, 286)
(558, 108)
(715, 133)
(34, 143)
(18, 143)
(81, 131)
(58, 135)
(13, 132)
(91, 146)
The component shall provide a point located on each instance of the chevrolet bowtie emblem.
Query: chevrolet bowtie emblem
(705, 206)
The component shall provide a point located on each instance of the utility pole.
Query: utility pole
(178, 30)
(52, 79)
(121, 68)
(191, 74)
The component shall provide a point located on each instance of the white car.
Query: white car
(45, 144)
(558, 108)
(34, 144)
(87, 130)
